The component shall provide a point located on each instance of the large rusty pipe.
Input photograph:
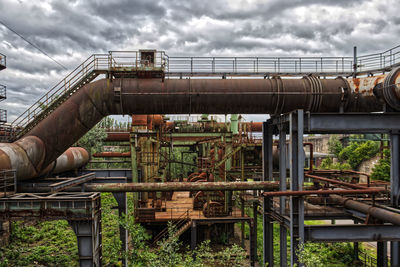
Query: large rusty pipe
(73, 158)
(181, 186)
(78, 114)
(26, 156)
(379, 213)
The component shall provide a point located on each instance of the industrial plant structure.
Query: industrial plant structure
(229, 169)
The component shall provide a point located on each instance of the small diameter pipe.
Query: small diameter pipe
(324, 192)
(319, 178)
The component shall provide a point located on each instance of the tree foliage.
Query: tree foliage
(381, 170)
(93, 140)
(328, 164)
(357, 152)
(334, 145)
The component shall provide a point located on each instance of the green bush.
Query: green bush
(381, 170)
(357, 152)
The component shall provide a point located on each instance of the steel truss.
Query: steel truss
(296, 124)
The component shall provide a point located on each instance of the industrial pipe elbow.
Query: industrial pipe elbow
(391, 89)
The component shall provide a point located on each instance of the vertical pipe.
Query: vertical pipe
(242, 200)
(355, 62)
(234, 124)
(135, 179)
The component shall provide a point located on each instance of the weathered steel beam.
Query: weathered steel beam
(56, 187)
(324, 192)
(181, 186)
(351, 233)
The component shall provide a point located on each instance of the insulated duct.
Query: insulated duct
(77, 115)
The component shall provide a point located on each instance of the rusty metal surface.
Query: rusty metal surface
(181, 186)
(95, 100)
(379, 213)
(333, 181)
(325, 192)
(111, 154)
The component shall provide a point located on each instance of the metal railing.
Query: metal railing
(201, 66)
(3, 94)
(3, 60)
(3, 116)
(93, 63)
(257, 65)
(284, 65)
(8, 183)
(366, 260)
(176, 225)
(131, 60)
(379, 61)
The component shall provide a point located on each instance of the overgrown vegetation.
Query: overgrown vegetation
(40, 244)
(53, 243)
(381, 170)
(351, 156)
(92, 141)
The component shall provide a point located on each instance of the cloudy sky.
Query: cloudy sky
(70, 31)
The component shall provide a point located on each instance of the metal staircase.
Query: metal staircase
(83, 74)
(113, 64)
(182, 224)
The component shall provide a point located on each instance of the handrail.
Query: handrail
(178, 65)
(179, 222)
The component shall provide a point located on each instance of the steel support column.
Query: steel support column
(282, 200)
(268, 234)
(193, 235)
(255, 231)
(381, 254)
(395, 191)
(123, 232)
(88, 234)
(296, 125)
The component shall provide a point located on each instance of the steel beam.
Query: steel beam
(351, 233)
(297, 178)
(56, 187)
(282, 199)
(395, 190)
(268, 235)
(331, 123)
(123, 232)
(381, 254)
(88, 235)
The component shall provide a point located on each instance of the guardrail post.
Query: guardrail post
(354, 61)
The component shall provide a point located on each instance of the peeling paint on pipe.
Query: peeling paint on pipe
(181, 186)
(78, 114)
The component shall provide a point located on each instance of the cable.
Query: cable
(32, 44)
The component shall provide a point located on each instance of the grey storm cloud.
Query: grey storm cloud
(70, 31)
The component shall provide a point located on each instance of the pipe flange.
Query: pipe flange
(315, 91)
(391, 89)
